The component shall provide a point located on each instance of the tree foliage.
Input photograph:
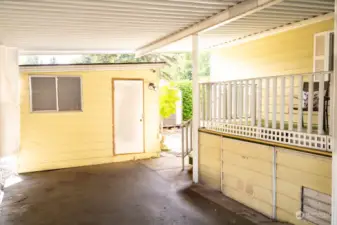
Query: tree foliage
(168, 99)
(31, 60)
(179, 65)
(186, 92)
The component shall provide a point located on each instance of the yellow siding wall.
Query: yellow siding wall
(247, 174)
(294, 170)
(290, 52)
(67, 139)
(210, 160)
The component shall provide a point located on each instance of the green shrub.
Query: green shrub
(168, 99)
(186, 93)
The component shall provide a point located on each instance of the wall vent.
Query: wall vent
(315, 207)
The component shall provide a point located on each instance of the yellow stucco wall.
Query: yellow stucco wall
(247, 174)
(290, 52)
(67, 139)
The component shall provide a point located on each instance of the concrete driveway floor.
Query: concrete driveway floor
(112, 194)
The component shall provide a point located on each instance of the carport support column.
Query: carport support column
(9, 106)
(334, 130)
(195, 91)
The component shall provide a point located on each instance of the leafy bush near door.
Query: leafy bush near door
(168, 99)
(186, 93)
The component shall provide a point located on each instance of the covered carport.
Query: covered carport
(69, 27)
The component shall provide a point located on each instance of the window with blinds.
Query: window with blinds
(323, 52)
(55, 94)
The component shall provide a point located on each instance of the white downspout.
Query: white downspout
(334, 129)
(195, 93)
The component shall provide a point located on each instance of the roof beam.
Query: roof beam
(234, 13)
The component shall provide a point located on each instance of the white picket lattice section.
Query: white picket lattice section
(280, 136)
(290, 109)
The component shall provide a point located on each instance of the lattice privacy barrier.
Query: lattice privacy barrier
(315, 141)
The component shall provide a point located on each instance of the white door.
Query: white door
(128, 116)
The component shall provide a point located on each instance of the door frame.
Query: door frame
(113, 115)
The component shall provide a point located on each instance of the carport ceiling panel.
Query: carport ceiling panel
(98, 25)
(279, 15)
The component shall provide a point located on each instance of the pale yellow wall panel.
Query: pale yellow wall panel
(44, 157)
(319, 183)
(289, 217)
(306, 162)
(248, 176)
(288, 204)
(289, 189)
(211, 171)
(31, 167)
(261, 206)
(74, 136)
(210, 140)
(247, 162)
(247, 187)
(289, 52)
(210, 156)
(244, 148)
(210, 181)
(210, 160)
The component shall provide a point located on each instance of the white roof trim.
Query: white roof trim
(88, 67)
(293, 26)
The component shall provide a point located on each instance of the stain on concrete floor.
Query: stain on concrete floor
(111, 194)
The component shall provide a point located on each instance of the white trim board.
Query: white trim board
(88, 67)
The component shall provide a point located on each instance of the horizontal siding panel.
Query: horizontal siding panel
(289, 189)
(209, 140)
(248, 188)
(290, 217)
(247, 162)
(210, 156)
(248, 176)
(71, 155)
(210, 181)
(210, 171)
(261, 206)
(62, 139)
(210, 160)
(316, 182)
(248, 149)
(307, 163)
(288, 204)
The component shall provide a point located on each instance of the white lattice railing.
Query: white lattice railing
(290, 109)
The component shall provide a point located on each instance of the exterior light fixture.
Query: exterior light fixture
(152, 86)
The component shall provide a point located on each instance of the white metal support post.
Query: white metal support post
(195, 118)
(334, 131)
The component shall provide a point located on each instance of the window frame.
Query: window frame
(327, 53)
(56, 89)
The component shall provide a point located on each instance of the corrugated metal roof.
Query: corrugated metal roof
(285, 13)
(98, 25)
(125, 25)
(282, 14)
